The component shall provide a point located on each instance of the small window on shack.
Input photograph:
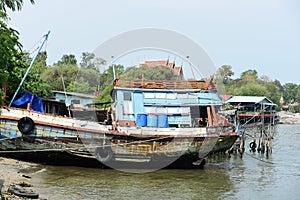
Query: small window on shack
(127, 96)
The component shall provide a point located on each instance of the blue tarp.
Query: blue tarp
(36, 102)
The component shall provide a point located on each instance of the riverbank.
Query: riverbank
(289, 118)
(14, 172)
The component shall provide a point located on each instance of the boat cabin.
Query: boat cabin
(179, 106)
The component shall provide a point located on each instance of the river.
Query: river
(250, 177)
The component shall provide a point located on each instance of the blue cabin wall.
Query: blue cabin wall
(176, 105)
(138, 103)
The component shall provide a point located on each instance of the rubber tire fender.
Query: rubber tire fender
(104, 154)
(25, 125)
(253, 145)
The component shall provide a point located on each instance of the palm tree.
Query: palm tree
(12, 4)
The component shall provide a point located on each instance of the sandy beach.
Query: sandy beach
(289, 118)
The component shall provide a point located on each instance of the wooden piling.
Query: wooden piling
(259, 140)
(242, 144)
(209, 116)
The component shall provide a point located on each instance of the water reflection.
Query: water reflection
(233, 178)
(261, 179)
(81, 183)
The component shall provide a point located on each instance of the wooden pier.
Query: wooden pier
(256, 118)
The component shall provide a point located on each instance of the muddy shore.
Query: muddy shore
(289, 118)
(14, 172)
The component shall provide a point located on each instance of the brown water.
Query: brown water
(248, 178)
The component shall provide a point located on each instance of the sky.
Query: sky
(248, 34)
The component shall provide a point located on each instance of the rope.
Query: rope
(34, 46)
(259, 159)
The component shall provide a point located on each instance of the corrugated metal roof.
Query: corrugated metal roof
(209, 98)
(75, 94)
(247, 99)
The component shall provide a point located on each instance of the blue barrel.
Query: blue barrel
(141, 120)
(162, 120)
(152, 120)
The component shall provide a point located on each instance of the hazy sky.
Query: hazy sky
(249, 34)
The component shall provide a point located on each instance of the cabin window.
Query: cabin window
(127, 107)
(171, 96)
(160, 95)
(75, 101)
(172, 110)
(149, 95)
(182, 96)
(190, 96)
(150, 109)
(127, 96)
(184, 110)
(161, 110)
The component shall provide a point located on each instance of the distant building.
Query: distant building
(254, 110)
(251, 103)
(225, 96)
(74, 98)
(294, 107)
(153, 63)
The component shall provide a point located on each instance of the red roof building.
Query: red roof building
(153, 63)
(225, 96)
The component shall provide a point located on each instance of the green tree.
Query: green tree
(12, 4)
(224, 74)
(81, 87)
(89, 60)
(40, 63)
(250, 85)
(133, 73)
(297, 96)
(106, 82)
(69, 59)
(278, 86)
(150, 73)
(66, 75)
(273, 92)
(60, 75)
(249, 74)
(89, 75)
(87, 80)
(13, 62)
(107, 77)
(251, 90)
(290, 91)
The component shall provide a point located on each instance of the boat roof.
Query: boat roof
(77, 94)
(206, 97)
(249, 99)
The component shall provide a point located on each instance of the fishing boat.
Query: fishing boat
(175, 116)
(150, 124)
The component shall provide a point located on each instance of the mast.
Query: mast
(30, 66)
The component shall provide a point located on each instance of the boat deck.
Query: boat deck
(165, 84)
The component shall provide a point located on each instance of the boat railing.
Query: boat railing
(163, 84)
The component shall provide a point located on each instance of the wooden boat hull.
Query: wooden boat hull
(47, 151)
(52, 142)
